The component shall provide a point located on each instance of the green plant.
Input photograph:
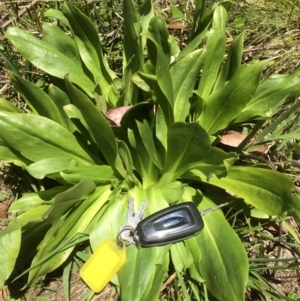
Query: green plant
(164, 149)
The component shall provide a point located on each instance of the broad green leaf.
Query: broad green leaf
(224, 264)
(142, 84)
(74, 113)
(224, 105)
(184, 75)
(32, 235)
(97, 173)
(142, 162)
(192, 242)
(31, 215)
(194, 248)
(6, 106)
(233, 61)
(152, 292)
(108, 226)
(164, 104)
(158, 31)
(129, 88)
(202, 12)
(161, 130)
(133, 56)
(90, 49)
(181, 256)
(61, 99)
(147, 137)
(47, 58)
(157, 44)
(86, 38)
(57, 14)
(172, 192)
(294, 207)
(193, 45)
(187, 145)
(37, 99)
(146, 12)
(54, 36)
(8, 154)
(156, 201)
(141, 159)
(126, 158)
(68, 199)
(135, 281)
(9, 251)
(174, 47)
(30, 200)
(270, 94)
(176, 12)
(214, 53)
(267, 190)
(73, 224)
(50, 167)
(195, 274)
(99, 127)
(217, 163)
(39, 138)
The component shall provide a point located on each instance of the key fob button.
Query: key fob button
(170, 225)
(171, 221)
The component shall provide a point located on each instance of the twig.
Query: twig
(260, 159)
(277, 47)
(21, 12)
(170, 279)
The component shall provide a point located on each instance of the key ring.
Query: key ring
(123, 229)
(135, 237)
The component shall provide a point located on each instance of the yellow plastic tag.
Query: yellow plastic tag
(103, 264)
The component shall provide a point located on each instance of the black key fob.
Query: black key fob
(170, 225)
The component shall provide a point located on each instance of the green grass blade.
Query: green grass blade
(67, 279)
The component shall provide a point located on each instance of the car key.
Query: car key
(133, 218)
(171, 224)
(110, 256)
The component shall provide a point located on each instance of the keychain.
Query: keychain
(166, 226)
(110, 256)
(171, 224)
(105, 262)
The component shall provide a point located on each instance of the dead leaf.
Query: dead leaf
(3, 211)
(233, 138)
(263, 149)
(4, 294)
(116, 115)
(176, 25)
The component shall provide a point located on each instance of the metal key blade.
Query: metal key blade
(133, 218)
(209, 210)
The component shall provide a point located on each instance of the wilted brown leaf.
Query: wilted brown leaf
(116, 115)
(233, 138)
(176, 25)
